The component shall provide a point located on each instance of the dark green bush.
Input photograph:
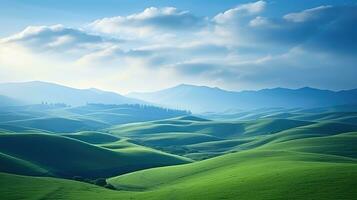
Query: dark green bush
(100, 182)
(109, 186)
(78, 178)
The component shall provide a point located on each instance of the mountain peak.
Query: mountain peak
(34, 92)
(307, 88)
(205, 99)
(184, 85)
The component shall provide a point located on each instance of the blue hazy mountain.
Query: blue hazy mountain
(35, 92)
(204, 99)
(7, 101)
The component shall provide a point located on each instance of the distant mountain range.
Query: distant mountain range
(197, 99)
(206, 99)
(36, 92)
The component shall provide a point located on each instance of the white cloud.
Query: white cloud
(241, 10)
(147, 23)
(309, 14)
(58, 38)
(166, 46)
(61, 40)
(259, 21)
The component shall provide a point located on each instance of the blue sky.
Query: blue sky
(129, 45)
(17, 14)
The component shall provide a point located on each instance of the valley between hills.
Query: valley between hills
(136, 151)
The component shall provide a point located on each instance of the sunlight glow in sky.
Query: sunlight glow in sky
(150, 45)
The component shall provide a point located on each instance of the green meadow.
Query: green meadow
(299, 155)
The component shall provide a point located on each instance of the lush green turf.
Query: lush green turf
(179, 138)
(66, 157)
(57, 124)
(60, 118)
(310, 154)
(15, 187)
(214, 128)
(343, 117)
(19, 129)
(219, 146)
(11, 164)
(197, 138)
(249, 175)
(93, 137)
(341, 145)
(313, 130)
(270, 126)
(337, 113)
(255, 174)
(121, 114)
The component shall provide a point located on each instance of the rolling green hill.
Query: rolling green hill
(340, 145)
(266, 173)
(93, 137)
(337, 113)
(246, 175)
(58, 124)
(197, 138)
(221, 129)
(296, 154)
(270, 126)
(121, 114)
(61, 118)
(19, 129)
(15, 165)
(15, 187)
(343, 117)
(65, 157)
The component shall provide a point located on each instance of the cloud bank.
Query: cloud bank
(240, 48)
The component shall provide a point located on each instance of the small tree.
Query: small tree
(109, 186)
(100, 182)
(78, 178)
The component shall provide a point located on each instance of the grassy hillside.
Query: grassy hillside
(248, 175)
(19, 129)
(15, 165)
(58, 124)
(178, 138)
(60, 118)
(337, 113)
(305, 155)
(255, 174)
(343, 117)
(340, 145)
(198, 138)
(93, 137)
(121, 114)
(270, 126)
(221, 129)
(66, 157)
(15, 187)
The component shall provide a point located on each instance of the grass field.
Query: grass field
(65, 157)
(298, 154)
(248, 175)
(199, 139)
(251, 175)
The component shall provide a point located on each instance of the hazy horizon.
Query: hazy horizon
(166, 87)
